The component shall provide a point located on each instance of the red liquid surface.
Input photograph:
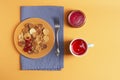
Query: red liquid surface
(77, 18)
(79, 47)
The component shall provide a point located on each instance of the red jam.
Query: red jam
(79, 47)
(76, 18)
(28, 46)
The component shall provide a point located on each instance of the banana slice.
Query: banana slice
(20, 37)
(46, 38)
(32, 30)
(27, 36)
(34, 35)
(45, 31)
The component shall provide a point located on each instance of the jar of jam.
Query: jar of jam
(76, 18)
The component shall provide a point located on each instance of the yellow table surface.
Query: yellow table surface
(102, 28)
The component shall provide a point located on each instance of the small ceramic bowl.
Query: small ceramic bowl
(76, 18)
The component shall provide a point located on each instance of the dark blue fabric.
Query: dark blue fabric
(50, 61)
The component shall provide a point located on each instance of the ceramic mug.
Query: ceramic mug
(78, 47)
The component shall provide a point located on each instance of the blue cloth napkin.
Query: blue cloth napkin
(50, 61)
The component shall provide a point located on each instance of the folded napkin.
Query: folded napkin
(50, 61)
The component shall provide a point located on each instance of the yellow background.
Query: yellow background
(102, 28)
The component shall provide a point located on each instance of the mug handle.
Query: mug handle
(90, 45)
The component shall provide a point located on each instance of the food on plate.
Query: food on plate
(33, 38)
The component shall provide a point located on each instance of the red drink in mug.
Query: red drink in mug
(78, 47)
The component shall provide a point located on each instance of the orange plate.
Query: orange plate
(50, 42)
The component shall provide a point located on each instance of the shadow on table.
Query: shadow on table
(66, 13)
(66, 48)
(66, 43)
